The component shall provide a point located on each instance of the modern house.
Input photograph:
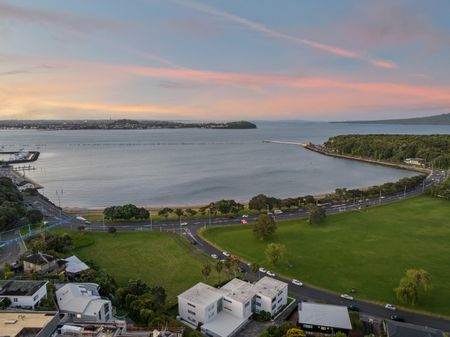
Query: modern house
(83, 303)
(27, 324)
(23, 294)
(400, 329)
(221, 312)
(41, 263)
(415, 161)
(323, 318)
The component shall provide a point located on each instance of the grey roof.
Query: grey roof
(268, 286)
(78, 297)
(39, 258)
(20, 288)
(202, 294)
(75, 265)
(333, 316)
(400, 329)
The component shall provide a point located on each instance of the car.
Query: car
(234, 257)
(214, 256)
(241, 269)
(352, 307)
(226, 254)
(278, 211)
(183, 224)
(269, 213)
(245, 215)
(262, 270)
(270, 273)
(347, 297)
(390, 307)
(397, 318)
(297, 282)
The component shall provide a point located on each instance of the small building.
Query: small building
(401, 329)
(74, 265)
(23, 294)
(221, 312)
(323, 318)
(25, 185)
(83, 303)
(28, 324)
(41, 263)
(415, 161)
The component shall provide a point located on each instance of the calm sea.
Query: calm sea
(195, 166)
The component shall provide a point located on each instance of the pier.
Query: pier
(283, 142)
(19, 157)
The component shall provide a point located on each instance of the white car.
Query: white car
(390, 307)
(183, 224)
(226, 254)
(262, 270)
(347, 297)
(278, 211)
(245, 216)
(270, 273)
(214, 256)
(297, 283)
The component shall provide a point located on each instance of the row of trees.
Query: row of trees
(441, 190)
(396, 148)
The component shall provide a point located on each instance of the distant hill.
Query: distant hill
(443, 119)
(121, 124)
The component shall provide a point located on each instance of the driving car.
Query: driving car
(214, 256)
(262, 270)
(270, 273)
(297, 282)
(226, 254)
(347, 297)
(390, 307)
(397, 318)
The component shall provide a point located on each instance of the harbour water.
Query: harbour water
(91, 168)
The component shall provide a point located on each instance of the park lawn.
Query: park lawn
(157, 258)
(368, 250)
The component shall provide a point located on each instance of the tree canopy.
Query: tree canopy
(264, 227)
(11, 205)
(126, 212)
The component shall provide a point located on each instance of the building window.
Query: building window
(280, 299)
(273, 299)
(191, 305)
(35, 297)
(281, 291)
(258, 304)
(274, 306)
(227, 300)
(247, 304)
(191, 312)
(192, 319)
(257, 296)
(15, 299)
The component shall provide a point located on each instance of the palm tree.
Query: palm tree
(219, 268)
(228, 264)
(206, 271)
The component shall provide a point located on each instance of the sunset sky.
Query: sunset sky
(224, 60)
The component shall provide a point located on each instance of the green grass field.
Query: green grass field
(369, 250)
(157, 258)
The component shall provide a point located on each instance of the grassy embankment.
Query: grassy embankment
(157, 258)
(369, 250)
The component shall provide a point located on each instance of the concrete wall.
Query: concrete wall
(195, 313)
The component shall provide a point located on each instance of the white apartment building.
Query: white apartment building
(221, 312)
(23, 294)
(83, 302)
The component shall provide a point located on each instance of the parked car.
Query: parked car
(352, 307)
(233, 257)
(397, 318)
(262, 270)
(347, 297)
(241, 269)
(226, 254)
(214, 256)
(297, 282)
(270, 273)
(245, 215)
(278, 211)
(390, 307)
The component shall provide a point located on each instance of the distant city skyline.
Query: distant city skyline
(224, 60)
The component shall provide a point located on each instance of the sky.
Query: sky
(224, 60)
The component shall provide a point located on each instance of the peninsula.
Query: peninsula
(120, 124)
(443, 119)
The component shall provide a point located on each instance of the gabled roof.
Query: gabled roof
(333, 316)
(75, 265)
(39, 258)
(400, 329)
(77, 297)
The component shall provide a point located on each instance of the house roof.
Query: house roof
(333, 316)
(202, 294)
(224, 324)
(77, 297)
(15, 323)
(20, 288)
(75, 265)
(400, 329)
(39, 258)
(269, 286)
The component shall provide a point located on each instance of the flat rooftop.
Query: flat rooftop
(333, 316)
(239, 290)
(269, 287)
(202, 294)
(224, 324)
(12, 323)
(20, 288)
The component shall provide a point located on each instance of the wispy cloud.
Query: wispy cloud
(273, 33)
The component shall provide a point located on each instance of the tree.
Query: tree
(206, 271)
(295, 332)
(228, 263)
(191, 212)
(255, 269)
(275, 253)
(340, 334)
(219, 267)
(165, 212)
(316, 214)
(264, 227)
(179, 212)
(7, 271)
(81, 229)
(409, 286)
(34, 216)
(112, 229)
